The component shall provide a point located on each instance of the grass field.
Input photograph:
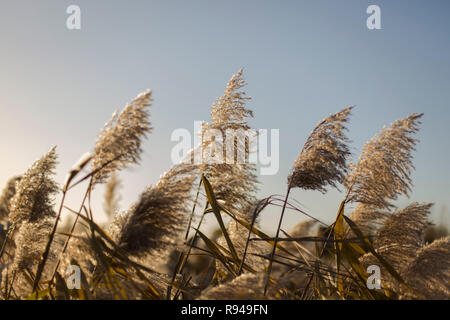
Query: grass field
(157, 248)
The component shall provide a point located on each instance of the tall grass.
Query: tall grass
(157, 249)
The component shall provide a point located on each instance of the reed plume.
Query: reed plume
(366, 216)
(233, 178)
(29, 242)
(33, 199)
(5, 199)
(401, 234)
(405, 227)
(112, 196)
(429, 273)
(383, 170)
(239, 235)
(229, 111)
(155, 222)
(118, 145)
(322, 161)
(234, 181)
(245, 287)
(301, 229)
(32, 214)
(119, 142)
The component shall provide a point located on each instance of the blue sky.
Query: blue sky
(302, 60)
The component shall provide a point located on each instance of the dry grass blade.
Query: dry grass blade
(216, 209)
(367, 243)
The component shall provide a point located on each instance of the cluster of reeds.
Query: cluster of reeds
(157, 249)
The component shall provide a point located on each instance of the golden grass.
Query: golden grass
(157, 249)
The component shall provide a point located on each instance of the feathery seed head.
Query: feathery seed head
(383, 169)
(30, 242)
(112, 196)
(233, 182)
(429, 273)
(406, 227)
(401, 234)
(33, 199)
(245, 287)
(119, 142)
(366, 216)
(5, 199)
(155, 222)
(322, 161)
(229, 111)
(303, 229)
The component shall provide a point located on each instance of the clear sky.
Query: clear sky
(302, 60)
